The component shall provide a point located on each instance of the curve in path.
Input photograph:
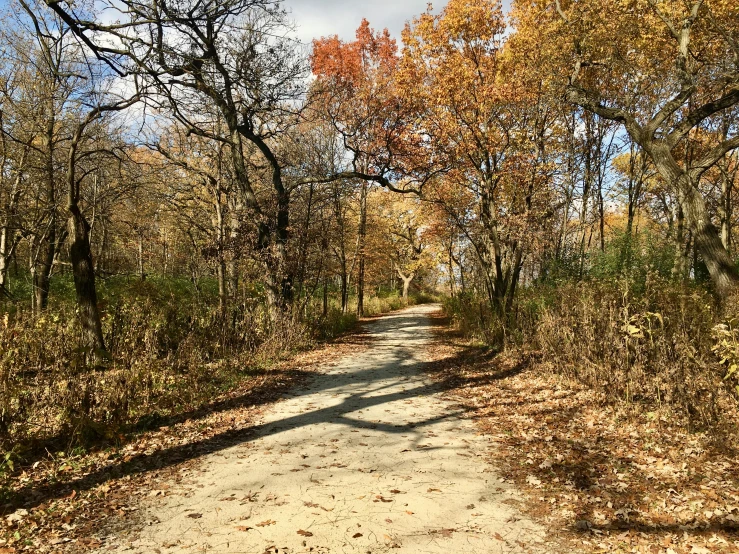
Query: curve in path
(367, 458)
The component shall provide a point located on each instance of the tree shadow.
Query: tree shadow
(281, 382)
(362, 385)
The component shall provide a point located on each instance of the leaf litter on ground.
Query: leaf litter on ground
(601, 477)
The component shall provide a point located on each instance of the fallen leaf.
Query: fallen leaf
(266, 523)
(195, 516)
(356, 535)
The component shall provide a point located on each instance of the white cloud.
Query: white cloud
(319, 18)
(341, 17)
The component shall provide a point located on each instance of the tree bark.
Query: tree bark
(724, 275)
(361, 248)
(140, 250)
(84, 282)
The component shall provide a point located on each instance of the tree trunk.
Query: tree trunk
(361, 253)
(43, 265)
(84, 282)
(679, 268)
(406, 283)
(727, 210)
(325, 296)
(4, 259)
(724, 275)
(222, 285)
(451, 269)
(142, 274)
(344, 289)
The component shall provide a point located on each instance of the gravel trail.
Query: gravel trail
(366, 458)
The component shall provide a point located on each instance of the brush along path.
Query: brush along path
(367, 458)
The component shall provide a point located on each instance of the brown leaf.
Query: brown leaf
(195, 516)
(243, 528)
(305, 533)
(266, 523)
(434, 490)
(356, 535)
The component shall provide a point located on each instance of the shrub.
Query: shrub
(649, 343)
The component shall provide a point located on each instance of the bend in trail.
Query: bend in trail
(366, 458)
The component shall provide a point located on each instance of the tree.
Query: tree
(663, 70)
(486, 128)
(233, 55)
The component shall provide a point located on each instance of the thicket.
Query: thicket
(627, 328)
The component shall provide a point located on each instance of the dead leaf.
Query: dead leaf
(356, 535)
(305, 533)
(195, 516)
(266, 523)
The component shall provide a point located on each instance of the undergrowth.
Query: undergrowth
(652, 345)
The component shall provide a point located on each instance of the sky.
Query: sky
(317, 18)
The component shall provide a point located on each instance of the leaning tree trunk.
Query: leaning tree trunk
(724, 275)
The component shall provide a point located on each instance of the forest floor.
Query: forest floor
(400, 437)
(600, 477)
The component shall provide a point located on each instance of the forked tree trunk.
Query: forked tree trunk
(407, 279)
(724, 275)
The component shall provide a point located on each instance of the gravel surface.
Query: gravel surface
(368, 457)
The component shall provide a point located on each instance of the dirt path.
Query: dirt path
(367, 458)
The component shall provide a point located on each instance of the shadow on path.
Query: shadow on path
(400, 365)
